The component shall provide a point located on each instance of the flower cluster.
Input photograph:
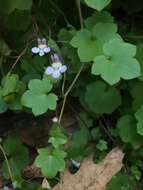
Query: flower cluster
(56, 68)
(42, 47)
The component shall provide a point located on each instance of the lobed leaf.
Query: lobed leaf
(37, 97)
(117, 62)
(97, 4)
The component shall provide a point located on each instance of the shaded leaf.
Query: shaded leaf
(139, 118)
(128, 131)
(102, 99)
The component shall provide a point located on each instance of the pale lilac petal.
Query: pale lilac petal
(41, 53)
(56, 74)
(46, 49)
(39, 40)
(56, 58)
(63, 69)
(49, 70)
(35, 50)
(52, 58)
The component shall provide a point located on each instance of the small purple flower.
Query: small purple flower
(42, 47)
(56, 69)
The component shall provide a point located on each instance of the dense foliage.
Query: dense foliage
(88, 52)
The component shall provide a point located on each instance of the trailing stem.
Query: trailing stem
(68, 91)
(7, 162)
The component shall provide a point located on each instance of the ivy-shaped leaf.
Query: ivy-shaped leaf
(57, 137)
(90, 42)
(9, 84)
(97, 4)
(127, 130)
(17, 154)
(102, 145)
(10, 93)
(69, 53)
(102, 99)
(51, 161)
(119, 182)
(117, 62)
(37, 96)
(139, 118)
(79, 144)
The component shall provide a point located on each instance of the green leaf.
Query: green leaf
(102, 99)
(96, 133)
(81, 137)
(139, 118)
(3, 105)
(12, 145)
(17, 154)
(50, 161)
(4, 49)
(57, 137)
(97, 4)
(9, 84)
(11, 92)
(127, 129)
(136, 92)
(119, 182)
(102, 145)
(90, 42)
(104, 17)
(119, 60)
(52, 44)
(139, 57)
(136, 172)
(37, 96)
(19, 20)
(8, 6)
(84, 120)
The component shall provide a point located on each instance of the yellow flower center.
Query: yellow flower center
(41, 46)
(56, 65)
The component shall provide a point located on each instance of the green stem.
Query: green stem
(80, 13)
(80, 69)
(74, 81)
(18, 58)
(7, 162)
(68, 91)
(62, 109)
(63, 85)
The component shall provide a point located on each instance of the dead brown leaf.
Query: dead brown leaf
(92, 176)
(31, 172)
